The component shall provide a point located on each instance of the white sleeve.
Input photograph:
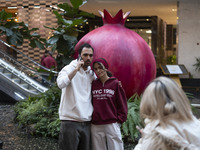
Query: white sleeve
(63, 79)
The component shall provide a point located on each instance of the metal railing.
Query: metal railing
(32, 69)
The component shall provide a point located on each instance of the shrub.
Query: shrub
(41, 111)
(133, 119)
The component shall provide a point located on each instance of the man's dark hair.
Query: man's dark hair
(50, 53)
(84, 45)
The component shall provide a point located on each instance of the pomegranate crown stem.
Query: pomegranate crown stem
(119, 18)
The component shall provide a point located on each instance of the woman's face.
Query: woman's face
(100, 70)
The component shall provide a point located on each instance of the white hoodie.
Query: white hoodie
(75, 101)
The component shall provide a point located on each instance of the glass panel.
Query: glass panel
(145, 34)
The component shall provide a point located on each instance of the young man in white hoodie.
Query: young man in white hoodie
(75, 108)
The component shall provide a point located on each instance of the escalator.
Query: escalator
(18, 80)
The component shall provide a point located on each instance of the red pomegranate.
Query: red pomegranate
(129, 57)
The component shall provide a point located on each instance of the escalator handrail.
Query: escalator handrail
(15, 61)
(24, 66)
(49, 70)
(22, 76)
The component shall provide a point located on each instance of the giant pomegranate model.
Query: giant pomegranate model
(129, 57)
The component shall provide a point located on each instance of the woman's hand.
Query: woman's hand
(141, 130)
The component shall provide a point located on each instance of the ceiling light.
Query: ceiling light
(12, 7)
(36, 6)
(108, 1)
(148, 31)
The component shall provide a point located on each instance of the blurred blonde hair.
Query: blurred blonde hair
(164, 100)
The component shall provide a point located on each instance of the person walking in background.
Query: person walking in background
(75, 110)
(169, 121)
(49, 62)
(110, 109)
(45, 54)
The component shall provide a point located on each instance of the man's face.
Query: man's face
(87, 56)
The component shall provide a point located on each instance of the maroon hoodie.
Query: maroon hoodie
(109, 102)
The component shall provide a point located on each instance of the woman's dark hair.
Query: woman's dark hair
(109, 73)
(84, 45)
(100, 63)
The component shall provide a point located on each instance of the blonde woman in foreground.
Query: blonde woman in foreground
(170, 124)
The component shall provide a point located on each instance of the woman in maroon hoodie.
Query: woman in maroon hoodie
(110, 109)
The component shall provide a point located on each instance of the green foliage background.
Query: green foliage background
(129, 130)
(41, 112)
(16, 32)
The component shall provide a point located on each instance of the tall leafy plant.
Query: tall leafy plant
(16, 32)
(64, 37)
(133, 119)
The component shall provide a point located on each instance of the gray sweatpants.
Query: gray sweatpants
(75, 135)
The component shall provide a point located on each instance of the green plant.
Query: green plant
(171, 59)
(133, 119)
(64, 37)
(16, 32)
(197, 64)
(41, 111)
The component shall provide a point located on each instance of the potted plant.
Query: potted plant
(197, 64)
